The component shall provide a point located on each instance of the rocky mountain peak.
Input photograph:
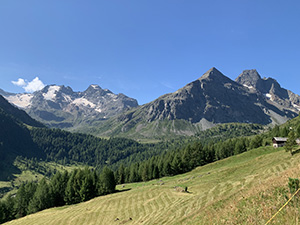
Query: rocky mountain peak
(94, 90)
(214, 75)
(52, 92)
(213, 72)
(249, 78)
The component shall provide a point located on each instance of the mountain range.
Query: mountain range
(212, 99)
(61, 107)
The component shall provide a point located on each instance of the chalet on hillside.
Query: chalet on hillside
(280, 141)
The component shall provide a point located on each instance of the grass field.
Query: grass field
(244, 189)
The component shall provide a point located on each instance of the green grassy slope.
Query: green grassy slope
(243, 189)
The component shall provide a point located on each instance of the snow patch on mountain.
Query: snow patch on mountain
(67, 98)
(95, 86)
(296, 106)
(247, 86)
(268, 96)
(84, 102)
(51, 94)
(20, 100)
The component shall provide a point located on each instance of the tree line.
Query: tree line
(185, 159)
(63, 188)
(68, 148)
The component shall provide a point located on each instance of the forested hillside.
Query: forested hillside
(65, 147)
(15, 140)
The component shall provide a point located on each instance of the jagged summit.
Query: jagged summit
(95, 86)
(249, 78)
(95, 89)
(214, 74)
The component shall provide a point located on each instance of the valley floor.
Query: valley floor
(244, 189)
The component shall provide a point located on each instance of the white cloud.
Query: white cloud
(20, 82)
(35, 85)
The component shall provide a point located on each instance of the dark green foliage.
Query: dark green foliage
(66, 147)
(57, 186)
(284, 131)
(276, 131)
(229, 130)
(15, 140)
(106, 183)
(291, 142)
(88, 185)
(187, 158)
(62, 188)
(240, 146)
(42, 198)
(293, 185)
(298, 132)
(120, 178)
(23, 197)
(7, 211)
(256, 141)
(133, 175)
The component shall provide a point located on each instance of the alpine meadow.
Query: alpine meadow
(149, 112)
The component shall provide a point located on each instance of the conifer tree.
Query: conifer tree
(133, 175)
(121, 174)
(23, 196)
(69, 196)
(87, 189)
(144, 171)
(41, 199)
(291, 142)
(57, 188)
(106, 183)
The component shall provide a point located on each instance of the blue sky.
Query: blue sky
(146, 48)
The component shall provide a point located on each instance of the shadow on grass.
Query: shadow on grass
(296, 151)
(118, 191)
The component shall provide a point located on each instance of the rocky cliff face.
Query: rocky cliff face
(271, 89)
(60, 106)
(213, 97)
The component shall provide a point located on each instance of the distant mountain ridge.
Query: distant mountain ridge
(60, 106)
(212, 99)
